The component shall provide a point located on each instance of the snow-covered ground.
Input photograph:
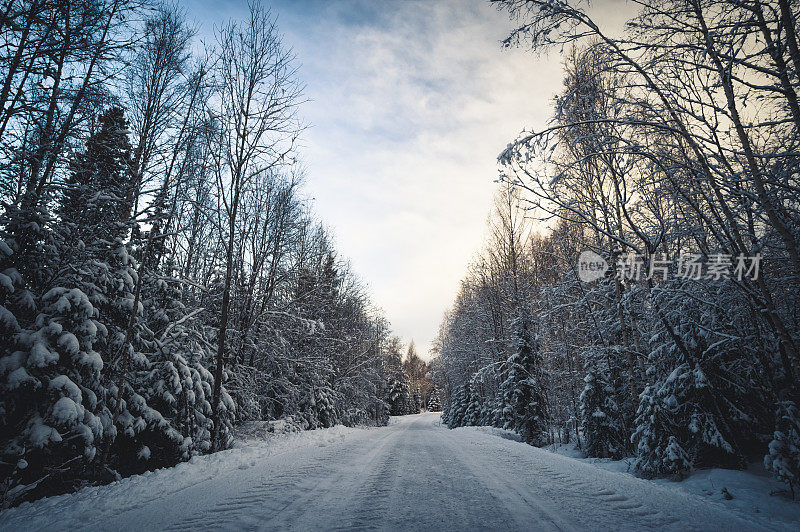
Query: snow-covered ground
(755, 491)
(413, 474)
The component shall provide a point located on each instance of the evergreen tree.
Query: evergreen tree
(456, 407)
(525, 411)
(399, 398)
(435, 405)
(176, 382)
(53, 398)
(66, 353)
(318, 407)
(98, 195)
(416, 402)
(602, 419)
(474, 408)
(703, 406)
(783, 458)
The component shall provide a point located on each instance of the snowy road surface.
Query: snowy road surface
(413, 474)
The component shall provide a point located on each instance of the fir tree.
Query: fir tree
(399, 398)
(53, 398)
(525, 411)
(602, 419)
(98, 195)
(783, 457)
(473, 410)
(457, 406)
(434, 404)
(703, 406)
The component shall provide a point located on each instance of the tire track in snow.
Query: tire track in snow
(588, 497)
(411, 475)
(330, 492)
(281, 492)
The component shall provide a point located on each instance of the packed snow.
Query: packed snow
(412, 474)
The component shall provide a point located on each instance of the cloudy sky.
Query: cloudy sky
(410, 104)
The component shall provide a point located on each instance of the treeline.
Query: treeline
(672, 157)
(162, 277)
(411, 389)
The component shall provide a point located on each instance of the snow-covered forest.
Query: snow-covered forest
(164, 278)
(185, 343)
(672, 157)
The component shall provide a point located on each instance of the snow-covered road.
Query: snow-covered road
(413, 474)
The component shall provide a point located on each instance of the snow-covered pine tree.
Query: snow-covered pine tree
(98, 193)
(175, 381)
(316, 403)
(434, 404)
(416, 401)
(28, 252)
(525, 411)
(675, 430)
(325, 407)
(474, 409)
(447, 408)
(95, 222)
(66, 347)
(602, 420)
(496, 416)
(398, 395)
(53, 398)
(95, 212)
(783, 457)
(703, 405)
(457, 406)
(498, 405)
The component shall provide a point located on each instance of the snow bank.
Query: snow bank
(754, 491)
(68, 511)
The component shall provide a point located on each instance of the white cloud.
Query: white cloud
(410, 104)
(410, 107)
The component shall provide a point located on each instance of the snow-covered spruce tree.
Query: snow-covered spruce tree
(27, 253)
(673, 425)
(447, 410)
(474, 409)
(525, 411)
(166, 412)
(464, 404)
(53, 398)
(486, 398)
(95, 221)
(416, 401)
(396, 389)
(97, 200)
(66, 347)
(398, 395)
(94, 214)
(175, 381)
(602, 420)
(10, 282)
(703, 405)
(315, 405)
(783, 458)
(435, 405)
(497, 416)
(319, 407)
(457, 406)
(31, 252)
(488, 410)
